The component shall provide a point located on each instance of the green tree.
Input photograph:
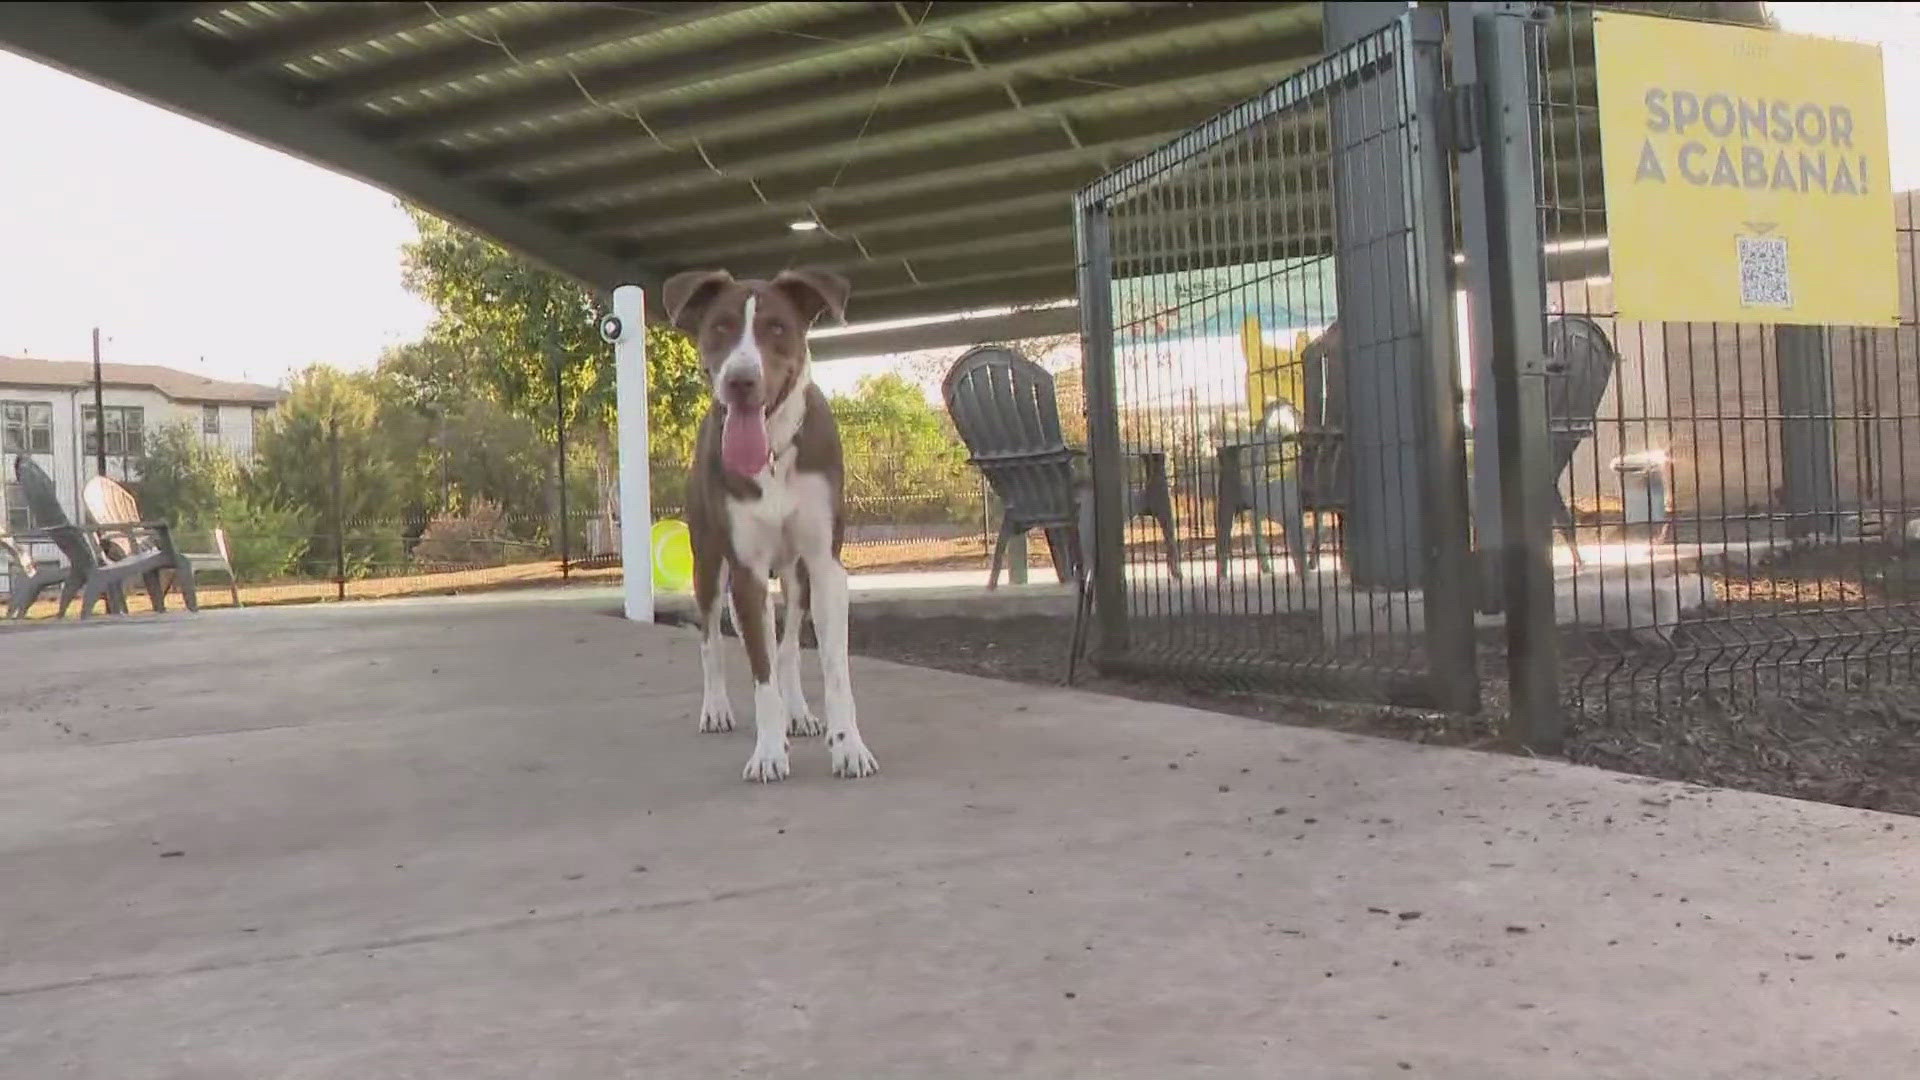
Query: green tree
(507, 325)
(905, 464)
(197, 487)
(183, 478)
(294, 468)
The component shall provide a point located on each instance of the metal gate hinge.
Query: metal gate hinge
(1466, 117)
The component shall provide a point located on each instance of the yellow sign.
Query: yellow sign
(1746, 175)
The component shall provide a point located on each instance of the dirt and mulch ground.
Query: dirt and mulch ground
(1850, 738)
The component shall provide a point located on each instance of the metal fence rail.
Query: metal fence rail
(1304, 418)
(1738, 497)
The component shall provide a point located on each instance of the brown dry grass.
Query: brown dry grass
(449, 583)
(960, 554)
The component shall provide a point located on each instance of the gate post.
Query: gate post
(1516, 312)
(1103, 426)
(1470, 151)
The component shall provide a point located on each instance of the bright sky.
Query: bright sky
(198, 250)
(182, 242)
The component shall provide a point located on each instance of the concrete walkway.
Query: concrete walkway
(480, 840)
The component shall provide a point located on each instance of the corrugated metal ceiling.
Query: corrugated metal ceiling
(933, 142)
(937, 144)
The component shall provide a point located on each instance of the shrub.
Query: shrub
(478, 537)
(183, 479)
(264, 541)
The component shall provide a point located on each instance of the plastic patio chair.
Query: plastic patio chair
(1290, 470)
(50, 524)
(111, 505)
(29, 578)
(1580, 364)
(1004, 408)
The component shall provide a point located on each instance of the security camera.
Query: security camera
(611, 328)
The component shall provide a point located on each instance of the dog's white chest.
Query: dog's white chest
(761, 527)
(792, 519)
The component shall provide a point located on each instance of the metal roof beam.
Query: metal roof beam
(1277, 225)
(868, 226)
(1040, 211)
(336, 27)
(1014, 288)
(1140, 47)
(882, 340)
(930, 262)
(1168, 89)
(1143, 108)
(945, 258)
(875, 289)
(162, 16)
(688, 224)
(537, 43)
(81, 40)
(865, 38)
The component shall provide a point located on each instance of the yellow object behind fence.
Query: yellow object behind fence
(1274, 373)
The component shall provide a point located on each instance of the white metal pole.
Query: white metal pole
(636, 482)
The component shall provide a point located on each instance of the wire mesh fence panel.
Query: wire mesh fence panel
(1735, 499)
(1270, 379)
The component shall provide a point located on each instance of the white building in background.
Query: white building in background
(47, 413)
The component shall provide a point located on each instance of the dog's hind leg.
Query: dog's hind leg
(753, 607)
(709, 593)
(800, 720)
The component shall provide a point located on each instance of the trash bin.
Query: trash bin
(1643, 490)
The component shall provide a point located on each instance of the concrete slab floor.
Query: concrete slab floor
(478, 840)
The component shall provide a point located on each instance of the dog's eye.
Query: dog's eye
(777, 330)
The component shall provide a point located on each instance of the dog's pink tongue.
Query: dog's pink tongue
(743, 441)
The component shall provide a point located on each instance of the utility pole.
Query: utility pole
(99, 411)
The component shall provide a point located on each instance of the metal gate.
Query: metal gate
(1663, 517)
(1272, 390)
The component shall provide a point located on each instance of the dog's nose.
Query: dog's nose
(741, 387)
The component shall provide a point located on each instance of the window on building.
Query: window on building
(210, 419)
(18, 520)
(126, 431)
(26, 427)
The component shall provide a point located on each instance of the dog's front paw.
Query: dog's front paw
(851, 758)
(716, 714)
(768, 763)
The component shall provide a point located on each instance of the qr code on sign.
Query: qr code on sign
(1763, 272)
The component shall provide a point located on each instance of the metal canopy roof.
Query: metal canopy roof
(937, 144)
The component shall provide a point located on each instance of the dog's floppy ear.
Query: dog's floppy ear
(814, 290)
(686, 296)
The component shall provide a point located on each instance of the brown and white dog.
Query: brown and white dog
(763, 502)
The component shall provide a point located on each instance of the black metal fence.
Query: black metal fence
(1663, 517)
(1737, 497)
(913, 505)
(1268, 327)
(358, 516)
